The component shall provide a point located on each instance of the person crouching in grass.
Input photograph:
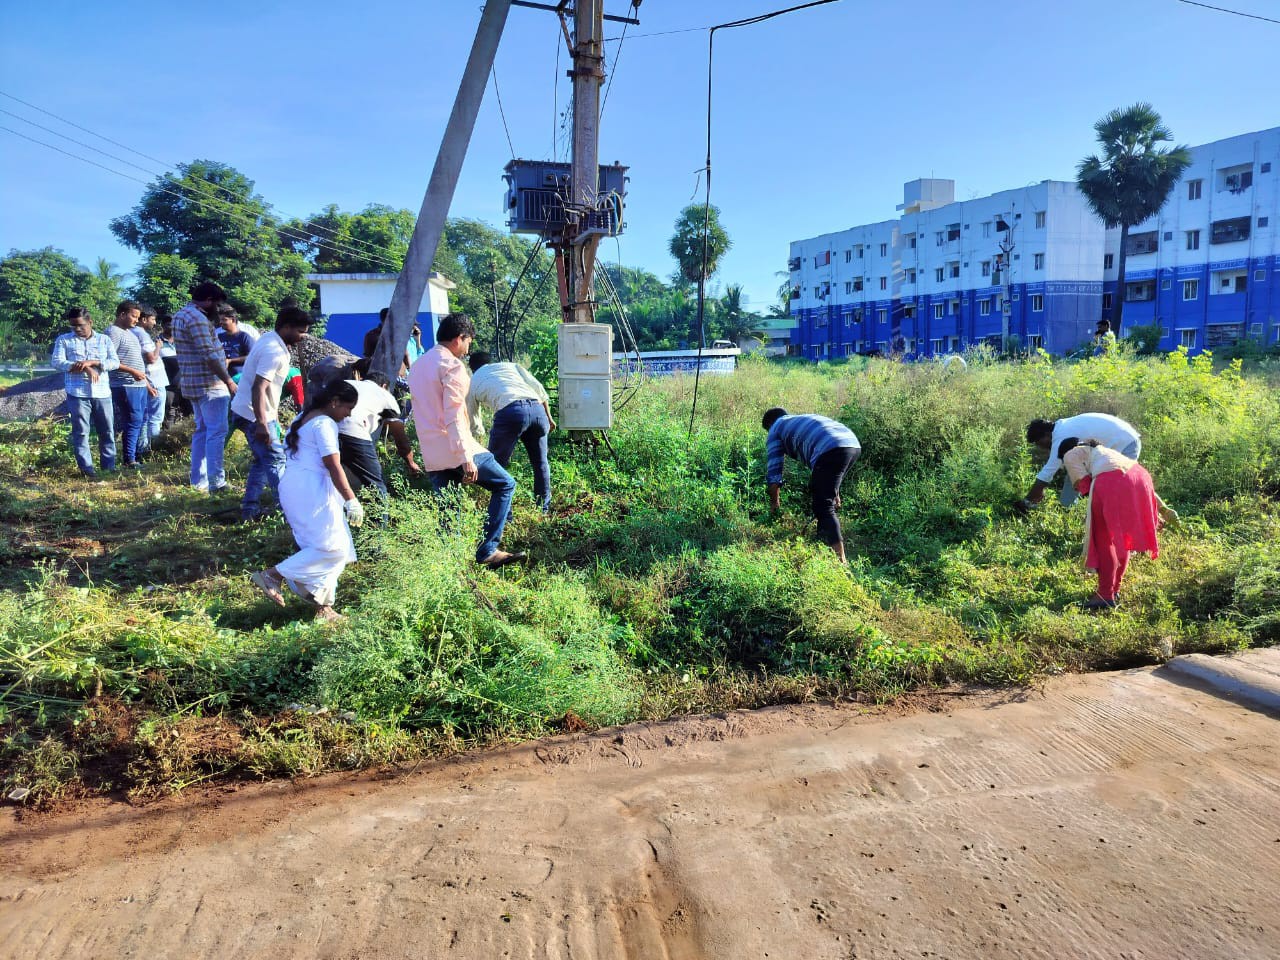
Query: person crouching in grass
(828, 448)
(1124, 512)
(319, 504)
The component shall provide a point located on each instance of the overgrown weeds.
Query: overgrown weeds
(135, 658)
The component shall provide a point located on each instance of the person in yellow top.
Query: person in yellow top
(438, 383)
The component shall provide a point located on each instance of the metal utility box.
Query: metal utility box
(585, 358)
(537, 191)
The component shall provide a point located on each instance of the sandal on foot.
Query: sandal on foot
(269, 586)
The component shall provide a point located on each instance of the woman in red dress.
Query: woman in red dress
(1123, 512)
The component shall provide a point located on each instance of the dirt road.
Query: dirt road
(1116, 815)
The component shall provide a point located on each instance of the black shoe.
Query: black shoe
(1097, 604)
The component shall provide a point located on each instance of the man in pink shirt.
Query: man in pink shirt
(438, 382)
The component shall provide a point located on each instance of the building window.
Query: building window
(1146, 242)
(1106, 301)
(1188, 338)
(986, 268)
(1139, 292)
(848, 255)
(1039, 264)
(1193, 239)
(848, 286)
(882, 316)
(953, 231)
(911, 276)
(954, 270)
(984, 307)
(1190, 289)
(1037, 302)
(859, 249)
(1266, 168)
(955, 308)
(1040, 219)
(986, 228)
(938, 274)
(1229, 231)
(909, 311)
(884, 249)
(1193, 189)
(1259, 276)
(935, 346)
(884, 283)
(1108, 261)
(938, 311)
(911, 241)
(1035, 342)
(953, 344)
(1230, 281)
(1235, 179)
(1166, 284)
(1263, 221)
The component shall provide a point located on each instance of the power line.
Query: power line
(236, 209)
(377, 252)
(614, 69)
(1238, 13)
(493, 71)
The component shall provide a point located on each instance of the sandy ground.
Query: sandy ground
(1118, 815)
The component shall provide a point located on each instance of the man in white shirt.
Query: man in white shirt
(375, 409)
(520, 412)
(1048, 435)
(254, 409)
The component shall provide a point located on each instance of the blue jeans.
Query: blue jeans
(208, 441)
(526, 421)
(501, 486)
(153, 420)
(129, 407)
(81, 410)
(266, 468)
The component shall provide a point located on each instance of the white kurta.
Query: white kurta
(313, 507)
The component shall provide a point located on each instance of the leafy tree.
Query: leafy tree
(106, 288)
(1133, 178)
(686, 243)
(734, 321)
(375, 240)
(164, 282)
(208, 215)
(36, 288)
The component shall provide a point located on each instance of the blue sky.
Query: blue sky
(819, 118)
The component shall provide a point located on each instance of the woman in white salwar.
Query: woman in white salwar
(319, 504)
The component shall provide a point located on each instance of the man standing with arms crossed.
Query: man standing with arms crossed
(84, 358)
(205, 382)
(256, 406)
(450, 454)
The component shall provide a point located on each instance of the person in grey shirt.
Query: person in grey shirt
(130, 387)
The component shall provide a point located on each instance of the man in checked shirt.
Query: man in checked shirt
(205, 382)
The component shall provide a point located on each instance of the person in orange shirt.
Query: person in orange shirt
(438, 383)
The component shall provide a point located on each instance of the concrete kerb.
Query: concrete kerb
(1250, 677)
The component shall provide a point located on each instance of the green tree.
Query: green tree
(106, 288)
(686, 243)
(1132, 178)
(165, 281)
(374, 240)
(208, 215)
(36, 288)
(734, 321)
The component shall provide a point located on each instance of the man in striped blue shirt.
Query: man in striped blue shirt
(828, 448)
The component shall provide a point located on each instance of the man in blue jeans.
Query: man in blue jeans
(205, 382)
(438, 382)
(130, 387)
(520, 412)
(255, 408)
(85, 358)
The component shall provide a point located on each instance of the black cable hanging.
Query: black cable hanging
(706, 208)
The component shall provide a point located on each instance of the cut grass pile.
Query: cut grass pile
(135, 657)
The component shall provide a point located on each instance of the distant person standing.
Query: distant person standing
(828, 448)
(85, 358)
(206, 383)
(236, 341)
(450, 454)
(148, 334)
(130, 388)
(1104, 339)
(520, 413)
(256, 406)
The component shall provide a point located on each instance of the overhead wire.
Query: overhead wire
(373, 252)
(236, 210)
(706, 212)
(614, 69)
(1238, 13)
(493, 71)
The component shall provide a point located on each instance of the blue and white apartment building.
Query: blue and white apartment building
(946, 275)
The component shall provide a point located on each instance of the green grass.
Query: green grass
(136, 658)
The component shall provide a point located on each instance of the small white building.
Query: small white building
(353, 301)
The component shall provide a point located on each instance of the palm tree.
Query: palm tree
(698, 245)
(1133, 178)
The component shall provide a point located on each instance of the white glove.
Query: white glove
(354, 511)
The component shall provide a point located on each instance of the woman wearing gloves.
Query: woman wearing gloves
(318, 503)
(1123, 512)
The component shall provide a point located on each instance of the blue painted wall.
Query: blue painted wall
(347, 330)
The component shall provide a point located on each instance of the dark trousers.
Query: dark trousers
(525, 421)
(360, 460)
(824, 486)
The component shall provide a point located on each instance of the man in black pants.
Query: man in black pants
(828, 448)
